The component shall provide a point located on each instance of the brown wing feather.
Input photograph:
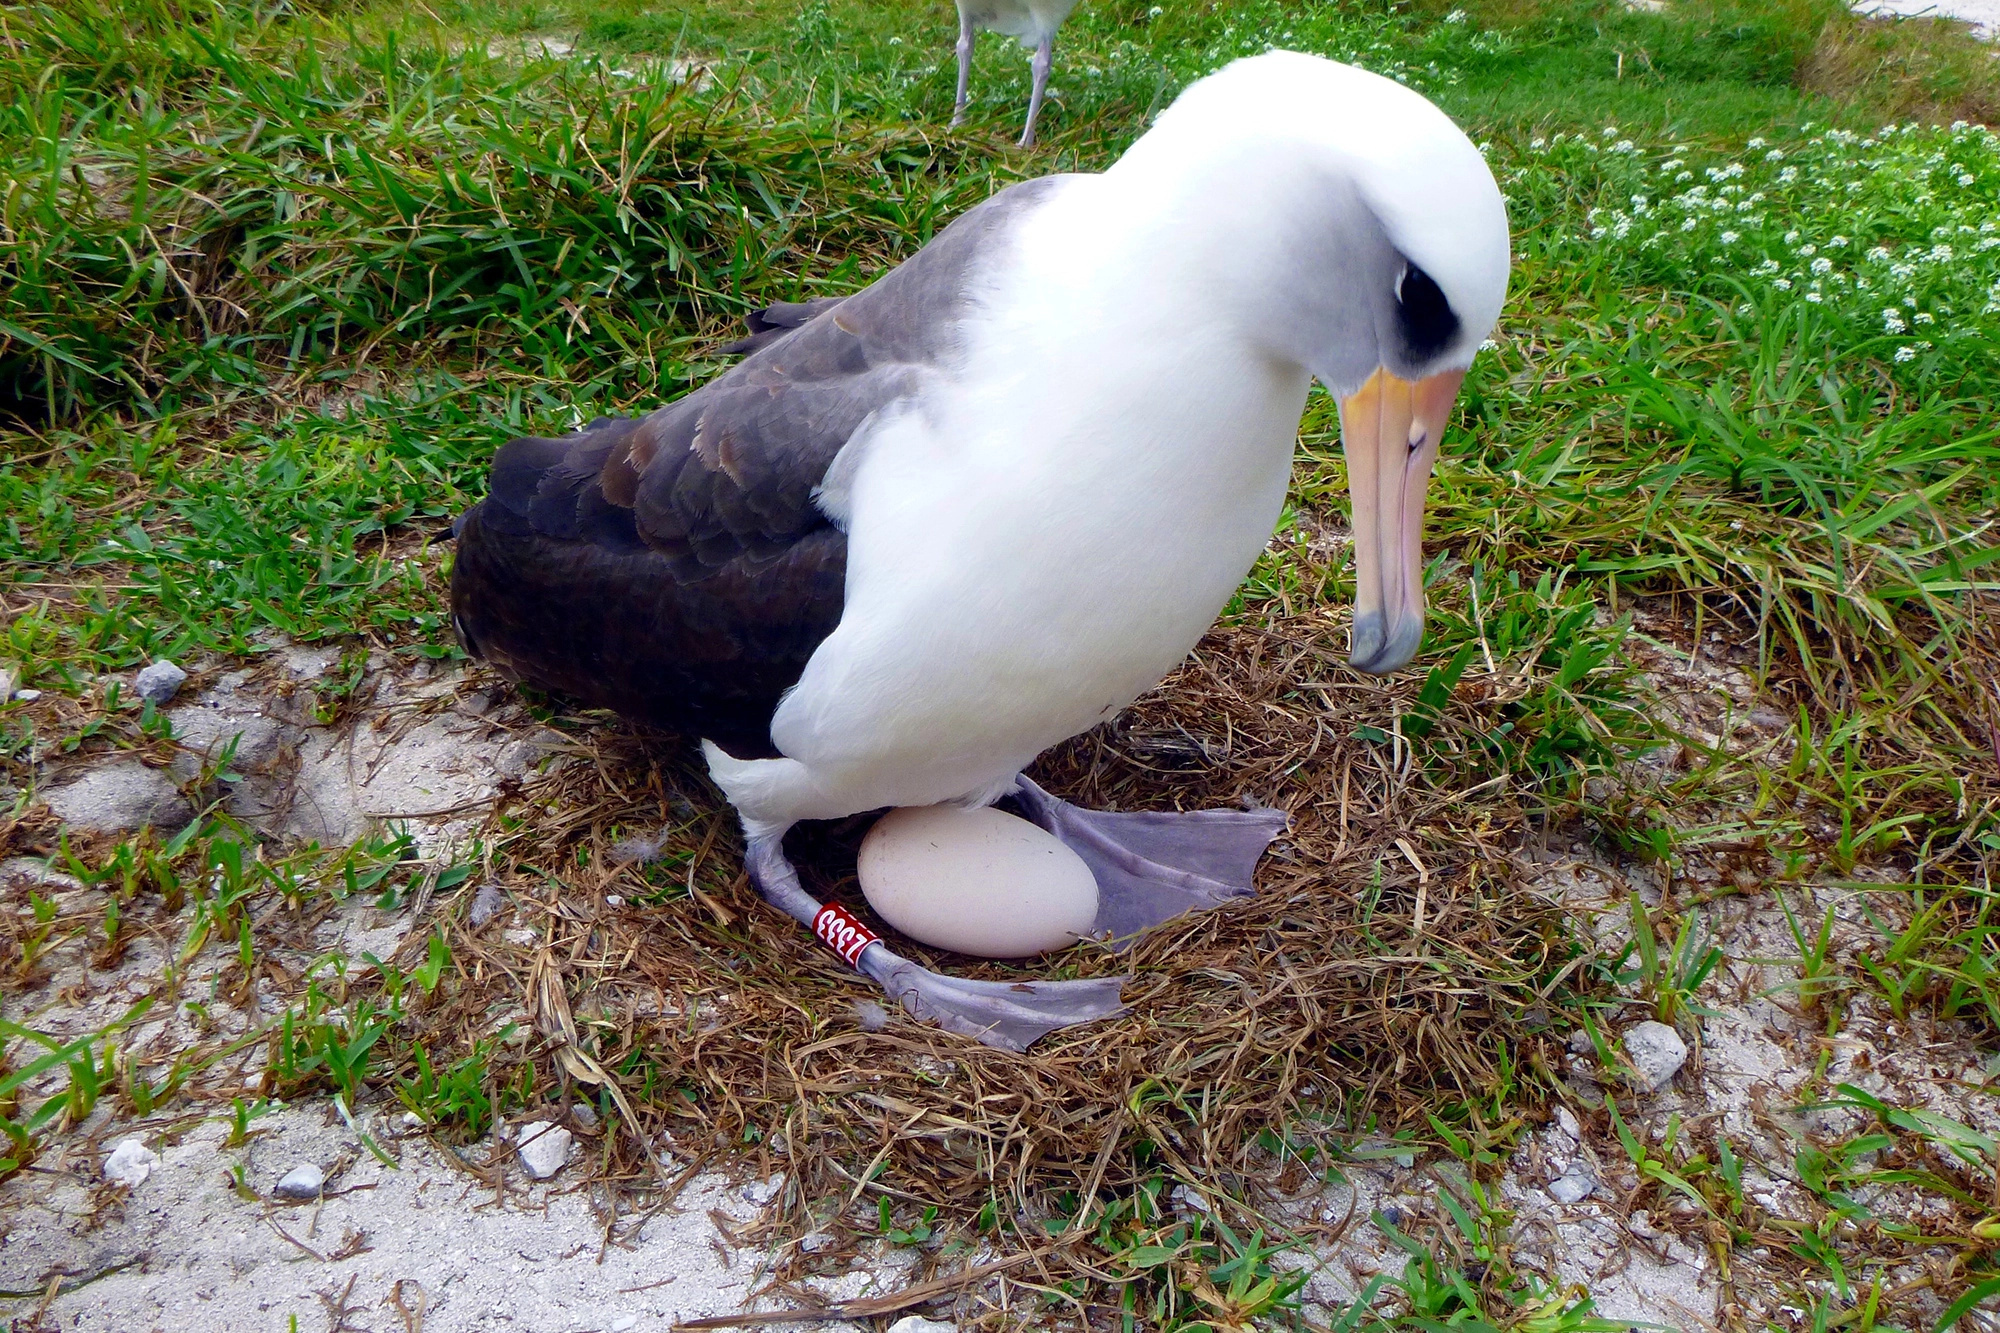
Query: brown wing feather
(675, 567)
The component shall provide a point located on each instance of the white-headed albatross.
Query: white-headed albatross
(923, 533)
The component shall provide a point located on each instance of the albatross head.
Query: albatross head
(1373, 251)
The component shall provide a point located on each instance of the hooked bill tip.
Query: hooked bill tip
(1378, 652)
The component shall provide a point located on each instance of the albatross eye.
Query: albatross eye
(1429, 323)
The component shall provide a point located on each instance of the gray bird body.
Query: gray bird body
(1034, 22)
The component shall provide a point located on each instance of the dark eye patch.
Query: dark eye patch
(1429, 323)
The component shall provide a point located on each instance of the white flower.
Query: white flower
(1878, 254)
(1775, 155)
(1925, 317)
(1610, 130)
(1625, 146)
(1965, 178)
(1957, 125)
(1730, 238)
(1892, 321)
(1940, 254)
(1814, 297)
(1782, 284)
(1684, 176)
(1597, 233)
(1792, 237)
(1666, 168)
(1808, 251)
(1690, 224)
(1906, 353)
(1537, 145)
(1836, 243)
(1755, 143)
(1822, 265)
(1765, 269)
(1788, 175)
(1456, 16)
(1489, 346)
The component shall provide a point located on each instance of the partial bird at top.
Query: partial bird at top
(1034, 22)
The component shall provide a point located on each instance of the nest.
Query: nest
(1388, 956)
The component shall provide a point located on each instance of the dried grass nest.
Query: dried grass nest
(1390, 950)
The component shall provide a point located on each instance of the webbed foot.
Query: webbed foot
(1152, 866)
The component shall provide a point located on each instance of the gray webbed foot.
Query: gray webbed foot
(1009, 1014)
(1152, 866)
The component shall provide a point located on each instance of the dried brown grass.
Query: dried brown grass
(1931, 69)
(1389, 954)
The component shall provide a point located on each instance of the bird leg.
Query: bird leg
(1044, 54)
(1010, 1015)
(1152, 866)
(964, 65)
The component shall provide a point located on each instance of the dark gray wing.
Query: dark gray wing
(676, 567)
(775, 321)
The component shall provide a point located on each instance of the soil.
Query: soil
(444, 1237)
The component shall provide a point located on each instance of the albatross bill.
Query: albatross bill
(1389, 430)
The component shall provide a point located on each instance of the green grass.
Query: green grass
(275, 282)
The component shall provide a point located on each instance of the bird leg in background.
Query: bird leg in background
(1007, 1014)
(1152, 866)
(1044, 54)
(964, 65)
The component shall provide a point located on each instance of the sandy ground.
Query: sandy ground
(450, 1239)
(1983, 15)
(437, 1242)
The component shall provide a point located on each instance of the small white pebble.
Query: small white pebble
(302, 1183)
(159, 682)
(130, 1163)
(544, 1148)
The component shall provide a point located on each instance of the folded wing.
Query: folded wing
(676, 567)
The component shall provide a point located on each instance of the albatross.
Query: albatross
(922, 533)
(1034, 22)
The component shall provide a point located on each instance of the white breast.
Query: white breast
(1046, 540)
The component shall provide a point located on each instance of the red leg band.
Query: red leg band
(843, 933)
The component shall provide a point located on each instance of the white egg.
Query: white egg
(979, 882)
